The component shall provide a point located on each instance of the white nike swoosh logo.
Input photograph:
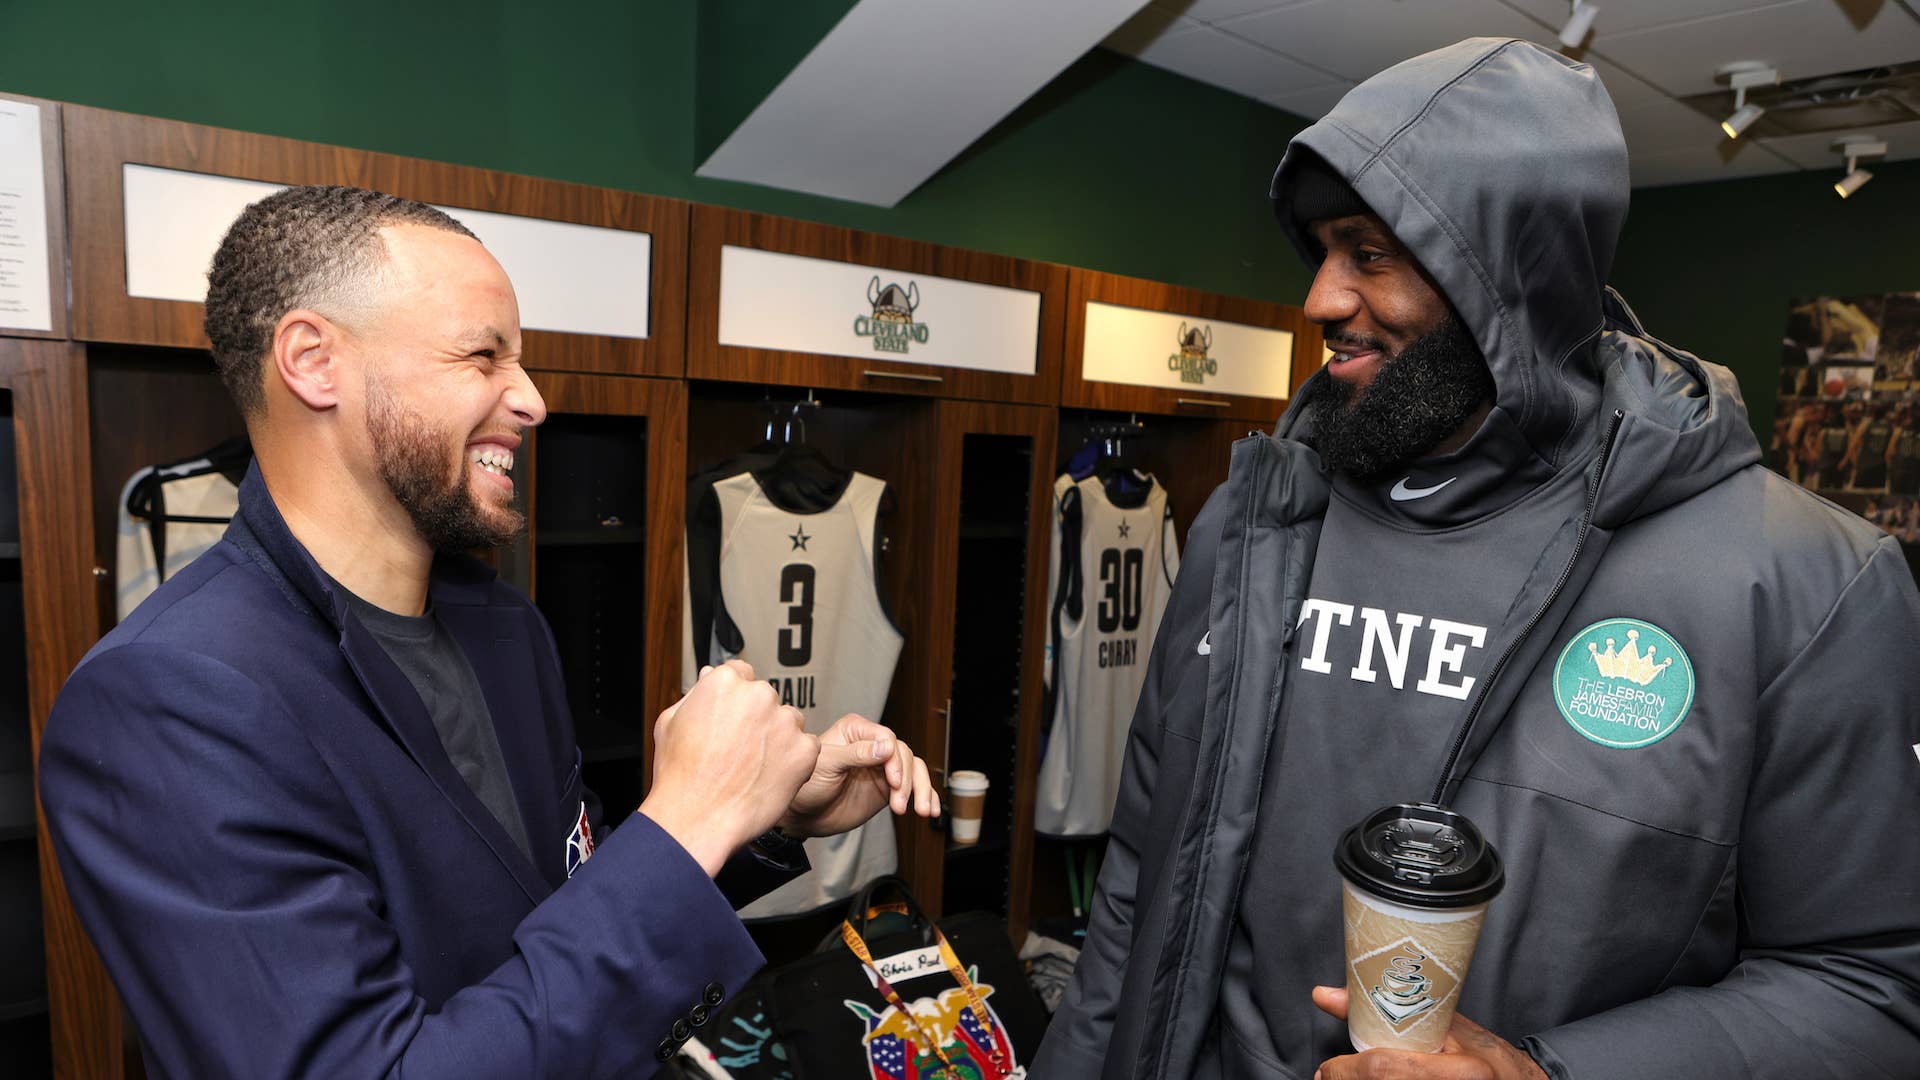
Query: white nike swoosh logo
(1402, 493)
(1206, 649)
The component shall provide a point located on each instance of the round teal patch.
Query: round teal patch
(1623, 683)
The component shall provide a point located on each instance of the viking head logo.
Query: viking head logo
(893, 304)
(892, 1039)
(1195, 341)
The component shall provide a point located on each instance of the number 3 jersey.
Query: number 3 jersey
(801, 592)
(1112, 571)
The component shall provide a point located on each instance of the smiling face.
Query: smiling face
(1370, 296)
(446, 399)
(1406, 378)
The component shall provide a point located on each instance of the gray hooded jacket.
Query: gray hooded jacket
(1741, 897)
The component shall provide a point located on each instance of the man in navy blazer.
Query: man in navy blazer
(307, 843)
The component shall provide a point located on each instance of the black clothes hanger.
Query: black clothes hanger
(148, 500)
(800, 478)
(1117, 466)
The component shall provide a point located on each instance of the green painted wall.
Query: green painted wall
(1116, 165)
(1711, 267)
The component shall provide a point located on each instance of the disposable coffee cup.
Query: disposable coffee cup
(967, 796)
(1415, 884)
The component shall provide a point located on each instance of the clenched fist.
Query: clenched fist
(727, 761)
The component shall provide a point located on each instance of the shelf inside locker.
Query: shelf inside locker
(16, 804)
(615, 752)
(9, 551)
(993, 531)
(622, 534)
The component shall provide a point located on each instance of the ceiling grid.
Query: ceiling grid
(1648, 53)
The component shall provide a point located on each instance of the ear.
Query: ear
(306, 358)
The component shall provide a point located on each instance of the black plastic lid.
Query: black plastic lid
(1423, 856)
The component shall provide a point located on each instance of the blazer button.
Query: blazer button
(698, 1015)
(666, 1050)
(681, 1030)
(713, 994)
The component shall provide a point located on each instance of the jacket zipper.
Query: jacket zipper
(1579, 542)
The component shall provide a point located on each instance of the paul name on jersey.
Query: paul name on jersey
(796, 691)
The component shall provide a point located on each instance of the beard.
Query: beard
(412, 458)
(1420, 396)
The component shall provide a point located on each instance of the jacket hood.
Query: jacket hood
(1501, 166)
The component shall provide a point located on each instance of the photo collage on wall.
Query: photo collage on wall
(1848, 422)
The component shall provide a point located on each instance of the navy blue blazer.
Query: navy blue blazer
(285, 875)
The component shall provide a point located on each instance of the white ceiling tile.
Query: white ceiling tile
(1211, 11)
(1355, 39)
(1688, 165)
(1801, 38)
(1213, 57)
(1149, 26)
(1621, 16)
(1312, 103)
(1816, 151)
(1664, 124)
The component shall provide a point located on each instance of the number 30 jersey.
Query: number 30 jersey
(802, 592)
(1112, 571)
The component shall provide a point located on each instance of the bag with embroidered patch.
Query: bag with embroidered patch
(904, 997)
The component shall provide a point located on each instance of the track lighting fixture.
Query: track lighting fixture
(1579, 23)
(1742, 76)
(1853, 148)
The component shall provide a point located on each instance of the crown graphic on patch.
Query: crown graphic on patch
(1630, 663)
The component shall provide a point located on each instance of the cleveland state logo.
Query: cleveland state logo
(891, 325)
(1192, 361)
(893, 1041)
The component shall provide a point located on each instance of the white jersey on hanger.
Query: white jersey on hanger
(136, 571)
(1121, 567)
(801, 589)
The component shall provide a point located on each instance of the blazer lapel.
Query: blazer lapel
(407, 717)
(498, 643)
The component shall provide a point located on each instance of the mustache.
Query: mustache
(1356, 342)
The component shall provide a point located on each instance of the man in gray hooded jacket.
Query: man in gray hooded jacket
(1512, 554)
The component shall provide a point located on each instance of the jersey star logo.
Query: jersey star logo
(800, 538)
(1124, 527)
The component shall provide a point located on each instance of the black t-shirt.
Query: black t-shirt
(425, 650)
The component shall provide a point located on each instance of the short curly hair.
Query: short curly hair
(312, 247)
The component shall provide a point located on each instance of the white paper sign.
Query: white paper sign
(772, 300)
(577, 279)
(1185, 352)
(26, 300)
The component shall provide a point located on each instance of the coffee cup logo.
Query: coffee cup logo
(1404, 981)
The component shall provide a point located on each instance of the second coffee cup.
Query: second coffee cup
(967, 795)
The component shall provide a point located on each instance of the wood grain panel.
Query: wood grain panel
(50, 425)
(56, 194)
(957, 420)
(99, 143)
(664, 403)
(715, 227)
(1092, 286)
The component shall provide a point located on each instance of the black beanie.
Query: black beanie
(1316, 193)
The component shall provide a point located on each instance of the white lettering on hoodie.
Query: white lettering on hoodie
(1447, 643)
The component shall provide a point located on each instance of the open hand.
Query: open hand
(863, 766)
(1470, 1052)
